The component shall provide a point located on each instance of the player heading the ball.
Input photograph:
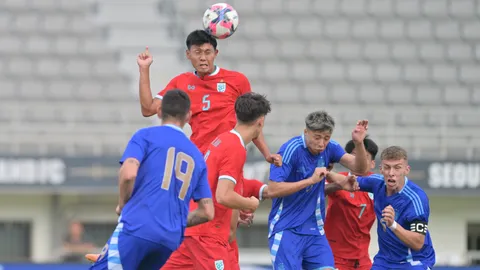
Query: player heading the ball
(296, 235)
(162, 170)
(212, 90)
(402, 211)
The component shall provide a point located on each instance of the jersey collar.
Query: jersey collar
(404, 185)
(239, 137)
(215, 71)
(174, 127)
(303, 141)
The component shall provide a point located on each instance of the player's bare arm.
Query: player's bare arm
(283, 189)
(343, 182)
(204, 213)
(226, 195)
(126, 181)
(358, 163)
(149, 105)
(413, 238)
(332, 188)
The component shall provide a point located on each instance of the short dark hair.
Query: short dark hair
(320, 121)
(200, 37)
(175, 104)
(394, 153)
(251, 106)
(370, 146)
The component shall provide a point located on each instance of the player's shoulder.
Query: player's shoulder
(232, 74)
(291, 148)
(374, 178)
(414, 192)
(334, 144)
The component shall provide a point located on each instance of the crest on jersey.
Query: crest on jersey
(221, 87)
(370, 195)
(219, 265)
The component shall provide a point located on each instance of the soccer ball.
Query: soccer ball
(220, 20)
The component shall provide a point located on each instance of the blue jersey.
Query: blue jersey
(304, 211)
(411, 206)
(171, 173)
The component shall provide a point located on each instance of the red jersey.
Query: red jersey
(350, 216)
(212, 102)
(225, 159)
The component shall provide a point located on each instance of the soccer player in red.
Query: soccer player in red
(212, 90)
(251, 187)
(206, 246)
(350, 216)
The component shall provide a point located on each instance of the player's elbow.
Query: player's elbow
(273, 190)
(418, 243)
(147, 111)
(222, 198)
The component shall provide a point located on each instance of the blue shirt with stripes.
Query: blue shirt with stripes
(304, 211)
(172, 172)
(410, 205)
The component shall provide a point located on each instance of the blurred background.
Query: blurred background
(69, 104)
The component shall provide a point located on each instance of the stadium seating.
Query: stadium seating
(410, 67)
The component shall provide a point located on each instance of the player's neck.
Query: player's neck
(395, 190)
(246, 132)
(176, 123)
(203, 74)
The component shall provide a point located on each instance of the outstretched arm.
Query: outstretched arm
(149, 105)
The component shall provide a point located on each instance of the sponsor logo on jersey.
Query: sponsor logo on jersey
(191, 87)
(221, 87)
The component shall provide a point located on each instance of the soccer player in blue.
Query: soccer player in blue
(161, 171)
(296, 235)
(402, 211)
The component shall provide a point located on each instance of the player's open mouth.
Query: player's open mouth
(391, 182)
(203, 65)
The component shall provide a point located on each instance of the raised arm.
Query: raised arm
(149, 105)
(358, 163)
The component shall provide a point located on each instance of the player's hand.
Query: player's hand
(319, 174)
(360, 131)
(254, 203)
(352, 183)
(388, 215)
(144, 59)
(275, 159)
(118, 210)
(246, 218)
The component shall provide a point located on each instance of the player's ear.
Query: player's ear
(188, 116)
(187, 54)
(407, 170)
(216, 52)
(372, 165)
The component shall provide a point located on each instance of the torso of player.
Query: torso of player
(227, 144)
(212, 102)
(350, 216)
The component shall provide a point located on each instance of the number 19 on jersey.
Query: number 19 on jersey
(174, 163)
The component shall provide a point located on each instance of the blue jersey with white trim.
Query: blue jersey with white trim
(411, 206)
(304, 211)
(171, 173)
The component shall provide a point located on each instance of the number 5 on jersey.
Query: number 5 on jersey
(206, 103)
(175, 163)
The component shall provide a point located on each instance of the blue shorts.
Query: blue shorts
(127, 252)
(289, 250)
(404, 266)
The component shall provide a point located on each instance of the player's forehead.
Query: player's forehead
(393, 162)
(320, 134)
(354, 152)
(202, 47)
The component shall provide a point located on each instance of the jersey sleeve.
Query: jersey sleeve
(289, 154)
(171, 85)
(253, 187)
(202, 190)
(418, 211)
(231, 165)
(244, 84)
(368, 183)
(336, 152)
(136, 147)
